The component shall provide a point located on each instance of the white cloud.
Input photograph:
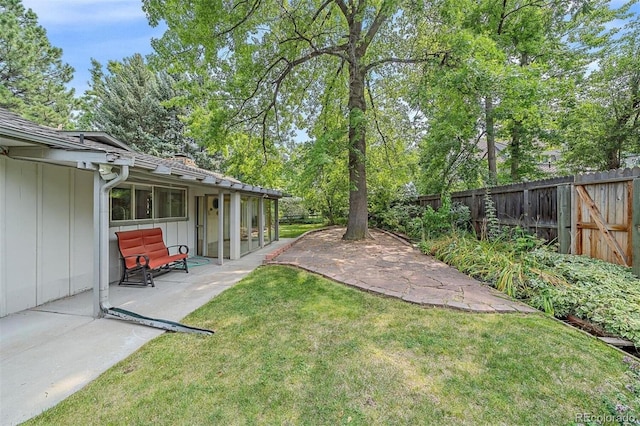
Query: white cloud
(85, 12)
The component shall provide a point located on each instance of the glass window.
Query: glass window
(144, 202)
(147, 202)
(170, 202)
(268, 220)
(255, 229)
(121, 204)
(244, 225)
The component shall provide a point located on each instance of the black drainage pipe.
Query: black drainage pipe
(156, 323)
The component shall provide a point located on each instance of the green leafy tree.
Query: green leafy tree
(512, 63)
(272, 63)
(135, 104)
(602, 124)
(450, 98)
(244, 158)
(32, 74)
(315, 173)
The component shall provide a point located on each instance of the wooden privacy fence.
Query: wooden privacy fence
(595, 214)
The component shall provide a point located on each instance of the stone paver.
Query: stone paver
(389, 266)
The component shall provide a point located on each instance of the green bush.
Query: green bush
(418, 223)
(603, 293)
(449, 217)
(403, 217)
(598, 291)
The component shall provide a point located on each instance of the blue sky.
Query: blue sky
(107, 30)
(100, 29)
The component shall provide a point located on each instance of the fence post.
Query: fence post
(635, 227)
(564, 218)
(526, 208)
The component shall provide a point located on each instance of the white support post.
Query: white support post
(220, 228)
(276, 219)
(248, 221)
(234, 224)
(261, 220)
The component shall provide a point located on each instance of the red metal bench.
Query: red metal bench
(143, 251)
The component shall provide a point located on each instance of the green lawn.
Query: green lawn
(292, 348)
(297, 229)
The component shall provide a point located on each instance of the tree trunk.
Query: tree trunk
(613, 160)
(515, 151)
(358, 221)
(329, 211)
(491, 140)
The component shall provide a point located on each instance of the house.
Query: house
(547, 161)
(63, 195)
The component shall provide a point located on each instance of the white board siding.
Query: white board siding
(171, 234)
(81, 237)
(183, 236)
(21, 185)
(46, 239)
(54, 256)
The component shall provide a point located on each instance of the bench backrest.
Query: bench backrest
(141, 241)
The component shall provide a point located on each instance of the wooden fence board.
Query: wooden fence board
(564, 218)
(596, 214)
(602, 223)
(635, 226)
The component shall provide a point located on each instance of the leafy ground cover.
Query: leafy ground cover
(293, 348)
(605, 294)
(296, 229)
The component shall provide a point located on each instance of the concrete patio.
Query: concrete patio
(50, 352)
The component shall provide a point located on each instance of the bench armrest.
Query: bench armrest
(181, 247)
(138, 257)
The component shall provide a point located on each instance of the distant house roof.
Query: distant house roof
(547, 164)
(23, 139)
(482, 146)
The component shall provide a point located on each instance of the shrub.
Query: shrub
(403, 217)
(292, 207)
(605, 294)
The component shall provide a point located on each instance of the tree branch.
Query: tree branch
(384, 61)
(264, 112)
(343, 9)
(504, 16)
(375, 119)
(244, 19)
(375, 26)
(320, 9)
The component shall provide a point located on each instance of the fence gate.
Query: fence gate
(602, 216)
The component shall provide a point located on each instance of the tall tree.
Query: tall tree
(602, 123)
(133, 103)
(513, 60)
(277, 60)
(32, 74)
(451, 100)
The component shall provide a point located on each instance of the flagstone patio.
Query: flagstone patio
(390, 266)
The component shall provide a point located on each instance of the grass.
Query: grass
(296, 229)
(293, 348)
(605, 294)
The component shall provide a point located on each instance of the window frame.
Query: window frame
(154, 204)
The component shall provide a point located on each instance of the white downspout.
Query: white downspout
(103, 237)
